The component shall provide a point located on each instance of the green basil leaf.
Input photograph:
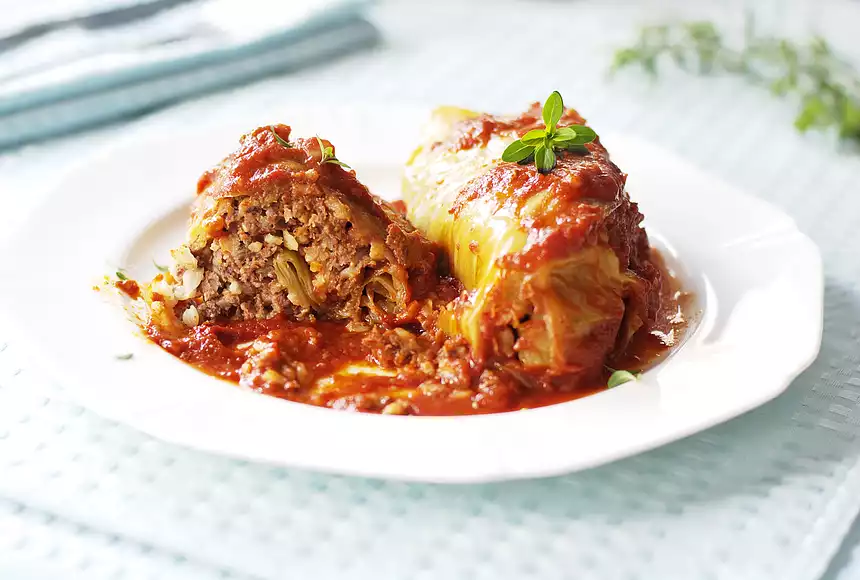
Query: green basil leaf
(533, 137)
(322, 149)
(336, 161)
(553, 108)
(121, 275)
(280, 139)
(564, 134)
(619, 378)
(574, 148)
(583, 134)
(159, 267)
(517, 151)
(528, 160)
(544, 159)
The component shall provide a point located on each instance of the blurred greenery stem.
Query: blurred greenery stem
(826, 86)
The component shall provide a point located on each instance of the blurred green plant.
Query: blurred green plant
(827, 87)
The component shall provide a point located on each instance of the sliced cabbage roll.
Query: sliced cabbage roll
(281, 227)
(555, 265)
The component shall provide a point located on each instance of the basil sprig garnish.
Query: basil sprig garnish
(541, 145)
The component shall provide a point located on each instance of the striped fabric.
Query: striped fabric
(72, 80)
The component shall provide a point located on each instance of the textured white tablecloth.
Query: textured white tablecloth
(769, 495)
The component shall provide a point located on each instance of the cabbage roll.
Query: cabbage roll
(282, 227)
(556, 267)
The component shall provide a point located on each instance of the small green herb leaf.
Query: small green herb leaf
(159, 267)
(584, 134)
(575, 148)
(564, 134)
(619, 378)
(121, 275)
(280, 139)
(534, 137)
(544, 159)
(517, 151)
(125, 356)
(552, 111)
(574, 135)
(327, 155)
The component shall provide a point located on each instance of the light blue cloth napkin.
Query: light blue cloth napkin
(73, 78)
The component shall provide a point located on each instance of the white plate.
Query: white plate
(757, 278)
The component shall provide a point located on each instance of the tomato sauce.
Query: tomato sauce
(129, 287)
(325, 363)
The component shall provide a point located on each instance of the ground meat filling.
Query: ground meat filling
(435, 367)
(280, 232)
